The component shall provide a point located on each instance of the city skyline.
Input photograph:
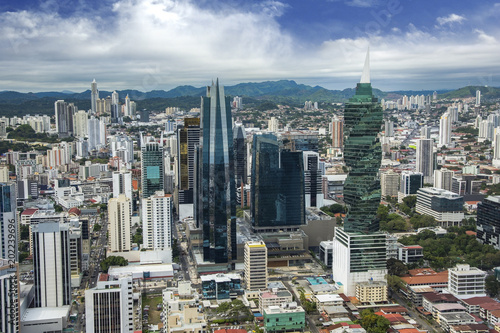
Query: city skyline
(148, 45)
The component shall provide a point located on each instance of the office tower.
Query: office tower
(255, 258)
(152, 166)
(443, 179)
(8, 218)
(240, 154)
(362, 155)
(97, 133)
(409, 184)
(188, 138)
(273, 125)
(389, 183)
(81, 124)
(312, 179)
(425, 159)
(277, 191)
(9, 297)
(109, 307)
(82, 148)
(143, 114)
(445, 130)
(216, 194)
(389, 128)
(478, 97)
(122, 183)
(51, 264)
(64, 114)
(337, 133)
(94, 96)
(488, 221)
(360, 251)
(445, 206)
(465, 282)
(157, 221)
(119, 218)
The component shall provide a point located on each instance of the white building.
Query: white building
(81, 124)
(445, 206)
(157, 221)
(478, 97)
(445, 130)
(109, 306)
(51, 264)
(466, 282)
(255, 258)
(273, 125)
(389, 183)
(442, 179)
(96, 133)
(425, 160)
(119, 218)
(122, 184)
(9, 321)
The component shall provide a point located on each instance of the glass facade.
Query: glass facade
(488, 221)
(240, 155)
(152, 168)
(277, 191)
(216, 206)
(188, 137)
(362, 154)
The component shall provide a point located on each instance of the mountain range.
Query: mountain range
(283, 91)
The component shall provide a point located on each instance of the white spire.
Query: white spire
(365, 77)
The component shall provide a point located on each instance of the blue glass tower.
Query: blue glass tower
(216, 202)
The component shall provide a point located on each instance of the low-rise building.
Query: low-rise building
(456, 318)
(274, 298)
(288, 317)
(371, 291)
(466, 282)
(445, 206)
(221, 286)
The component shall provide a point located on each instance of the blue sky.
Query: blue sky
(160, 44)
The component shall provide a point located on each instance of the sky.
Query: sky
(57, 45)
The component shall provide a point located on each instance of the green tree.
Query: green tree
(492, 285)
(373, 323)
(113, 261)
(97, 227)
(396, 267)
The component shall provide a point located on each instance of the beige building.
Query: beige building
(189, 320)
(4, 173)
(119, 224)
(389, 183)
(371, 291)
(255, 265)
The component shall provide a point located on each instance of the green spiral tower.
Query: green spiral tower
(363, 118)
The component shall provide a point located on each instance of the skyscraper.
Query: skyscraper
(312, 179)
(119, 216)
(425, 159)
(94, 96)
(389, 128)
(255, 265)
(240, 154)
(337, 133)
(445, 130)
(51, 264)
(122, 183)
(216, 204)
(188, 137)
(8, 222)
(362, 155)
(443, 179)
(157, 221)
(360, 251)
(64, 114)
(277, 191)
(152, 166)
(9, 297)
(488, 221)
(478, 97)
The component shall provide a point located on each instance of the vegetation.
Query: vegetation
(137, 237)
(492, 285)
(391, 222)
(97, 227)
(333, 209)
(27, 133)
(396, 267)
(308, 305)
(373, 323)
(467, 129)
(5, 146)
(113, 261)
(25, 232)
(453, 248)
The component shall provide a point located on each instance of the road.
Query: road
(97, 254)
(310, 321)
(424, 324)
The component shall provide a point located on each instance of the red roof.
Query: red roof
(479, 300)
(29, 211)
(225, 330)
(103, 277)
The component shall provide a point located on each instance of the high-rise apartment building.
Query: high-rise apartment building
(119, 217)
(273, 125)
(277, 191)
(188, 137)
(51, 264)
(445, 130)
(215, 204)
(97, 133)
(360, 250)
(64, 114)
(255, 259)
(425, 159)
(337, 133)
(443, 179)
(389, 183)
(81, 124)
(157, 221)
(478, 97)
(122, 183)
(152, 166)
(389, 128)
(109, 307)
(240, 155)
(94, 96)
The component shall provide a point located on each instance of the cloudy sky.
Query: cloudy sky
(160, 44)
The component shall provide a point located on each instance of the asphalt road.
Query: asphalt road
(415, 314)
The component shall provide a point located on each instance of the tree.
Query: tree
(113, 261)
(97, 227)
(396, 267)
(492, 285)
(373, 323)
(410, 201)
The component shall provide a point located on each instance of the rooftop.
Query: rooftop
(449, 306)
(35, 314)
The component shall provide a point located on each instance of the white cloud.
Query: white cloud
(159, 44)
(450, 19)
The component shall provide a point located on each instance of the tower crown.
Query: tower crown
(365, 77)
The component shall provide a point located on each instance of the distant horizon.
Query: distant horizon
(65, 91)
(160, 44)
